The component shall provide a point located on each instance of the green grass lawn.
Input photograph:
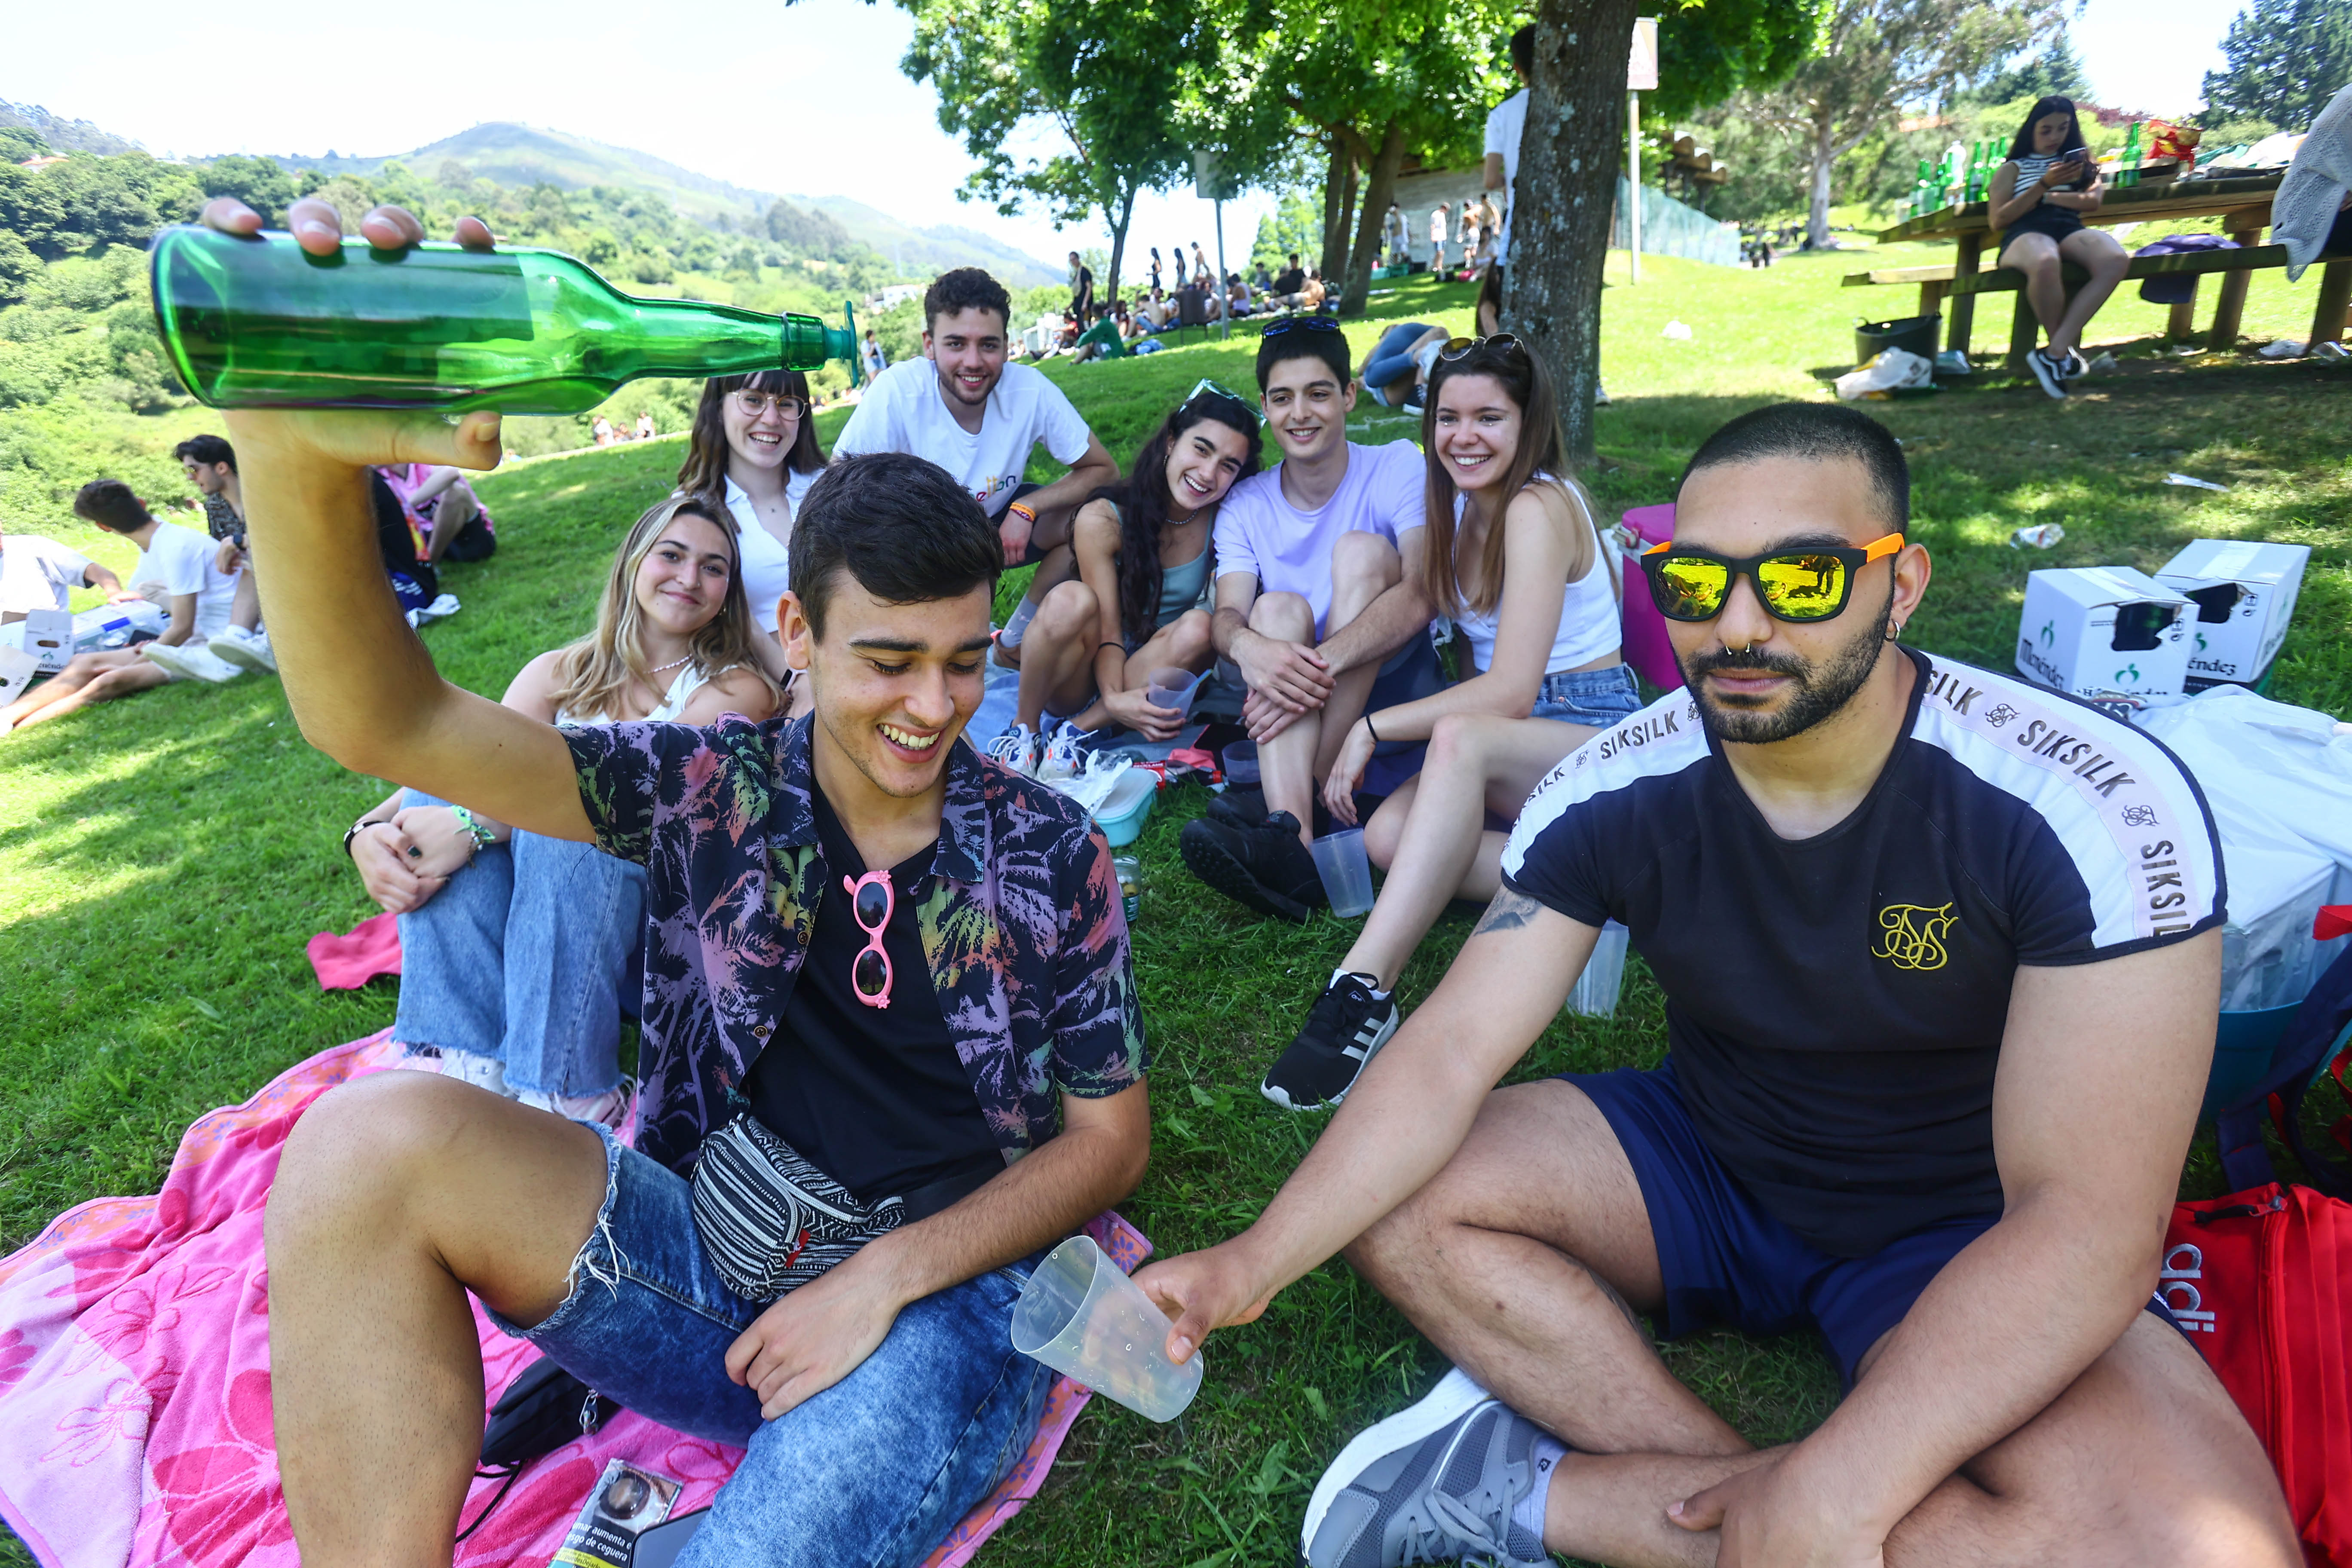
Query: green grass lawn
(162, 860)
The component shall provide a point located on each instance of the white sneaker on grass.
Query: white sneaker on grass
(1017, 749)
(244, 649)
(184, 662)
(1436, 1482)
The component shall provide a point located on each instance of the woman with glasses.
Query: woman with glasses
(1514, 557)
(1144, 570)
(754, 445)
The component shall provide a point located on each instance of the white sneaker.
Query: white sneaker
(1065, 757)
(1600, 395)
(1016, 749)
(440, 609)
(191, 663)
(247, 651)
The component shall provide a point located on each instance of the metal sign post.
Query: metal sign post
(1641, 73)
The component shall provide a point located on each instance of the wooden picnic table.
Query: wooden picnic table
(2243, 205)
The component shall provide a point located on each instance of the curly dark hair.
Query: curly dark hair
(966, 288)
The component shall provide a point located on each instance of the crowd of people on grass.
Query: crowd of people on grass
(1898, 934)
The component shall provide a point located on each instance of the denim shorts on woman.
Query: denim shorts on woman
(1597, 698)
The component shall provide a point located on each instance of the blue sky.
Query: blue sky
(800, 97)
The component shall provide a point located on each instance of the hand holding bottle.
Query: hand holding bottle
(317, 227)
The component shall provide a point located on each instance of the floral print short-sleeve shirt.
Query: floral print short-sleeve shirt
(1023, 924)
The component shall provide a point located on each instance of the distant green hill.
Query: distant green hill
(514, 154)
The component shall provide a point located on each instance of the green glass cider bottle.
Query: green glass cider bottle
(259, 322)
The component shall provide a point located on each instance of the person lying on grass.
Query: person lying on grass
(515, 946)
(1515, 559)
(1941, 953)
(1143, 554)
(880, 968)
(178, 571)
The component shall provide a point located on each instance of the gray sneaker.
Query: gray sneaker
(1433, 1483)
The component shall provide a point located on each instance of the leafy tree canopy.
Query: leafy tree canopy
(2286, 59)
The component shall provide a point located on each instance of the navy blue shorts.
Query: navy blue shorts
(1726, 1261)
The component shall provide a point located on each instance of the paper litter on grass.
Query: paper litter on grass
(2194, 484)
(1676, 330)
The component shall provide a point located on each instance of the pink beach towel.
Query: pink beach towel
(348, 962)
(134, 1376)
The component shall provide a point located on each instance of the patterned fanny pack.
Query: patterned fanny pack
(769, 1219)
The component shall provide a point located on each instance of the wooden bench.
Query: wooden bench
(2236, 267)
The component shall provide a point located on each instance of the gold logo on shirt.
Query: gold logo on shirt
(1914, 935)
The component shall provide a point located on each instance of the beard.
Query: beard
(1821, 690)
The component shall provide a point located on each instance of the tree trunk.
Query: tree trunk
(1378, 188)
(1817, 212)
(1339, 206)
(1118, 240)
(1568, 159)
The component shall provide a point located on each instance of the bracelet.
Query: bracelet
(474, 830)
(354, 830)
(1025, 510)
(1375, 734)
(1101, 646)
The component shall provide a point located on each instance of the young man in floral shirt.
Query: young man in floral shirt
(904, 961)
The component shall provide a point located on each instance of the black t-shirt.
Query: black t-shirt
(1835, 1005)
(877, 1096)
(1290, 282)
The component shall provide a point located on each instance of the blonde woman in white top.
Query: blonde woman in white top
(1514, 557)
(514, 946)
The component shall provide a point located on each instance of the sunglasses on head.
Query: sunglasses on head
(1299, 323)
(1204, 387)
(1810, 583)
(1501, 342)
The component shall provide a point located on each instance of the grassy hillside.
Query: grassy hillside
(162, 860)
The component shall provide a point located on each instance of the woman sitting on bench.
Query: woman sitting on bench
(2037, 200)
(514, 947)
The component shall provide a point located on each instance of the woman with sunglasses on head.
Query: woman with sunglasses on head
(1142, 548)
(1515, 556)
(2038, 198)
(513, 945)
(754, 445)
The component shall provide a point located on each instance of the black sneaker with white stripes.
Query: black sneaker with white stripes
(1345, 1027)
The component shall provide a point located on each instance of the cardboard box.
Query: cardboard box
(2244, 593)
(2091, 629)
(49, 639)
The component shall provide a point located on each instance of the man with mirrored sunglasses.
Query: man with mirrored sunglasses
(1941, 950)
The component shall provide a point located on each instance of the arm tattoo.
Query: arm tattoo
(1509, 911)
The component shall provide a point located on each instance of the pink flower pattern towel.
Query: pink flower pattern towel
(134, 1376)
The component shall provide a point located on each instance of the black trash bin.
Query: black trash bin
(1915, 334)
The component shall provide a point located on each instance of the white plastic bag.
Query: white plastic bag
(1595, 994)
(1889, 370)
(2278, 781)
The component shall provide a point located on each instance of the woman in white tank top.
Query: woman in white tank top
(1514, 556)
(514, 946)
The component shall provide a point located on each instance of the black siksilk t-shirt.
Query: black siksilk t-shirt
(877, 1096)
(1835, 1005)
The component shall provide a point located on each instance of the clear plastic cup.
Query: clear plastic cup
(1170, 686)
(1081, 1316)
(1346, 870)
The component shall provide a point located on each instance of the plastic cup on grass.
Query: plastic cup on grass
(1081, 1316)
(1346, 870)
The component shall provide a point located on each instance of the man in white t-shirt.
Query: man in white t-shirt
(964, 407)
(1504, 127)
(178, 571)
(1320, 606)
(39, 573)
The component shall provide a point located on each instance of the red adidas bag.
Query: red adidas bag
(2263, 1281)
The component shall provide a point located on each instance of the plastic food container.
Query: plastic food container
(1122, 817)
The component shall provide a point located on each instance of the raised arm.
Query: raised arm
(2101, 1067)
(1404, 1119)
(360, 684)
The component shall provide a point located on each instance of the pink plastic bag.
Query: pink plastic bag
(1644, 634)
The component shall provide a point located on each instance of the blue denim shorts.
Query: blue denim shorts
(1597, 698)
(876, 1469)
(1725, 1259)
